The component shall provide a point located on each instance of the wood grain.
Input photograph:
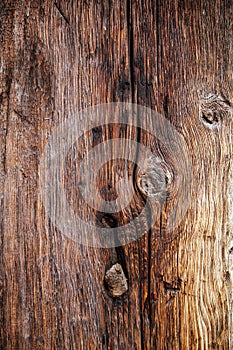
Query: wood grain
(58, 58)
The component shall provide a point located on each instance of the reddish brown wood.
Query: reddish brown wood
(58, 58)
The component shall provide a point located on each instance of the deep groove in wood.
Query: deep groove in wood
(165, 55)
(62, 13)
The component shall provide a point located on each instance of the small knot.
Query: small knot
(213, 109)
(116, 281)
(152, 179)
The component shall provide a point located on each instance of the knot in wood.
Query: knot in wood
(116, 281)
(213, 109)
(151, 179)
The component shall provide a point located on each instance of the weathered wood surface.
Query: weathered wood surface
(58, 58)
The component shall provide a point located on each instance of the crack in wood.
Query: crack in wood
(8, 91)
(170, 287)
(23, 117)
(130, 47)
(68, 285)
(62, 13)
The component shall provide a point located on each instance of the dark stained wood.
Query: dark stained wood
(58, 58)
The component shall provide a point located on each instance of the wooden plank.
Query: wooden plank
(173, 57)
(64, 57)
(181, 65)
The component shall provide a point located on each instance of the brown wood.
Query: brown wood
(58, 58)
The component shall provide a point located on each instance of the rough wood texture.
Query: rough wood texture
(58, 58)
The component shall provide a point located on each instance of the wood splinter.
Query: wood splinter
(116, 281)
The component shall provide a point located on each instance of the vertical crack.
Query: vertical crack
(130, 48)
(9, 82)
(149, 282)
(138, 136)
(157, 37)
